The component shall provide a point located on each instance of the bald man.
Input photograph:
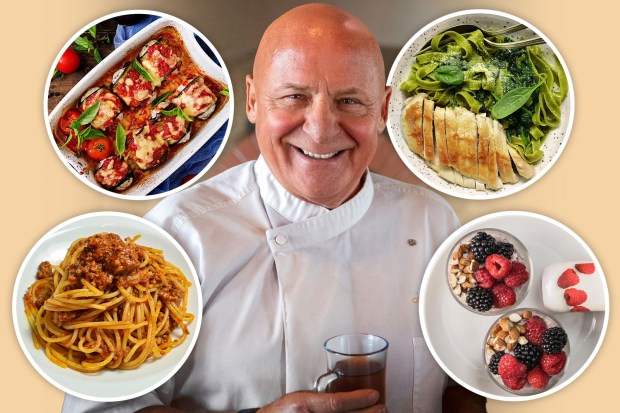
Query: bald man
(305, 243)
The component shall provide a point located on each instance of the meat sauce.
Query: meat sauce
(135, 118)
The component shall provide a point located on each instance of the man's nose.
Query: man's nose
(321, 123)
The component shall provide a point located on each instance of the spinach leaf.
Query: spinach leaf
(512, 101)
(450, 75)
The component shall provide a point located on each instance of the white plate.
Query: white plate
(553, 146)
(455, 335)
(80, 168)
(107, 385)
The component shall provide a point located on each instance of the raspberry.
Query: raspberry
(479, 299)
(510, 368)
(568, 279)
(534, 329)
(574, 296)
(554, 340)
(517, 275)
(503, 296)
(586, 268)
(497, 265)
(485, 280)
(580, 308)
(537, 378)
(516, 383)
(553, 364)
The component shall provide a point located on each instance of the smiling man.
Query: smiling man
(305, 243)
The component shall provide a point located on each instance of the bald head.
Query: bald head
(319, 25)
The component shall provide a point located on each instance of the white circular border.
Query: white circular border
(180, 187)
(466, 193)
(17, 296)
(469, 227)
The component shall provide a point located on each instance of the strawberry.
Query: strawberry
(553, 364)
(580, 308)
(510, 368)
(516, 383)
(497, 265)
(534, 329)
(574, 296)
(568, 279)
(537, 378)
(503, 295)
(485, 280)
(585, 268)
(517, 275)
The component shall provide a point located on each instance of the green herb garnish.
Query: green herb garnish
(91, 44)
(224, 92)
(161, 98)
(121, 138)
(512, 101)
(450, 75)
(143, 72)
(176, 112)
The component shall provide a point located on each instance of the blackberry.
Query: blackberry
(494, 361)
(504, 248)
(479, 299)
(482, 245)
(528, 354)
(554, 340)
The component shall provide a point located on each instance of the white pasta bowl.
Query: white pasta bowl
(554, 143)
(106, 385)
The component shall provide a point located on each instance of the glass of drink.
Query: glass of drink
(354, 361)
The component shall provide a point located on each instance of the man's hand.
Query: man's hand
(308, 402)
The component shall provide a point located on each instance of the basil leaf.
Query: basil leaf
(93, 31)
(120, 139)
(450, 75)
(224, 92)
(512, 101)
(79, 48)
(84, 43)
(88, 115)
(80, 136)
(161, 98)
(136, 65)
(97, 55)
(92, 134)
(67, 141)
(176, 112)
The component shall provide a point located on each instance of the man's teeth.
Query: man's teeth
(318, 155)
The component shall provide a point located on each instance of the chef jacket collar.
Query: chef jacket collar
(310, 223)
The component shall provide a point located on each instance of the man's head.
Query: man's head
(319, 100)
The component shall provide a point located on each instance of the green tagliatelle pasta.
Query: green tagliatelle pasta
(488, 74)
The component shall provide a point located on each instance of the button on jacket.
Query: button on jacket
(279, 276)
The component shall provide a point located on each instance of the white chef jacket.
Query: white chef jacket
(280, 275)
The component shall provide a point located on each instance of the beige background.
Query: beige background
(39, 192)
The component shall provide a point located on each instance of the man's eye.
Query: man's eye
(348, 101)
(295, 96)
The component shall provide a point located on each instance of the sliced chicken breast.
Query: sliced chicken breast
(411, 120)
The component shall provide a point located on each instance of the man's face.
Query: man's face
(318, 110)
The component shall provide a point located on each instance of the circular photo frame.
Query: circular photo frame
(106, 384)
(144, 109)
(456, 151)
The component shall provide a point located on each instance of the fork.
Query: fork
(468, 28)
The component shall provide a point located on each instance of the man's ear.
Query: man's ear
(250, 100)
(384, 108)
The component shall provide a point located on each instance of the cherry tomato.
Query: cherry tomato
(65, 121)
(69, 61)
(99, 148)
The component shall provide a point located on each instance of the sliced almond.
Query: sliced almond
(521, 328)
(466, 284)
(452, 279)
(514, 317)
(511, 346)
(499, 345)
(522, 340)
(514, 333)
(506, 324)
(502, 334)
(527, 314)
(496, 328)
(457, 290)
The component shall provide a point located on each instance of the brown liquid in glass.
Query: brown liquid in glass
(358, 373)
